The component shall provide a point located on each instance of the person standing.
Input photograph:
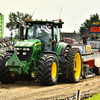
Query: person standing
(94, 36)
(84, 39)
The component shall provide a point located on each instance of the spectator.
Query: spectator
(94, 36)
(84, 39)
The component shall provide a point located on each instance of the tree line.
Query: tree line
(21, 17)
(85, 25)
(18, 16)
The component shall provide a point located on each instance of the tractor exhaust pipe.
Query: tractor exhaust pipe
(20, 25)
(22, 33)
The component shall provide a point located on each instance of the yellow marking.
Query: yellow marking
(54, 70)
(33, 73)
(12, 74)
(77, 65)
(96, 23)
(88, 48)
(37, 44)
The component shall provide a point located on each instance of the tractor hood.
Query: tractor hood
(28, 43)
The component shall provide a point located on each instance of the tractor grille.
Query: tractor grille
(24, 55)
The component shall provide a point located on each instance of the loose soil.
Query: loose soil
(34, 91)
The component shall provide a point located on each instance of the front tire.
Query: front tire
(1, 62)
(48, 69)
(5, 75)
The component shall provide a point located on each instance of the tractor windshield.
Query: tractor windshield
(38, 31)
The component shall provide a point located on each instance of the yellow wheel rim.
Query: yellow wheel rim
(77, 65)
(12, 75)
(54, 70)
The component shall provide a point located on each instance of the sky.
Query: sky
(73, 13)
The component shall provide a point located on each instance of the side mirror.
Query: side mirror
(60, 24)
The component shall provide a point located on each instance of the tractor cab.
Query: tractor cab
(46, 31)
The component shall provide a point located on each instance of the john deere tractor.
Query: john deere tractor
(43, 54)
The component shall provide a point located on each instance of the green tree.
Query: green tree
(18, 16)
(84, 27)
(0, 13)
(17, 36)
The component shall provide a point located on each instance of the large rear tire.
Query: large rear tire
(63, 65)
(74, 64)
(48, 69)
(1, 59)
(5, 75)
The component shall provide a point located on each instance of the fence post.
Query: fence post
(78, 95)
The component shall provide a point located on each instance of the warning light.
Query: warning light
(60, 20)
(28, 18)
(52, 40)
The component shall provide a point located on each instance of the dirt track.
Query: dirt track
(32, 90)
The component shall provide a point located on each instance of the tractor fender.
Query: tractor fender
(64, 46)
(51, 52)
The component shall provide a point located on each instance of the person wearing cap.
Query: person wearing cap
(94, 36)
(84, 39)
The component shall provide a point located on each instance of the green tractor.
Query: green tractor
(43, 54)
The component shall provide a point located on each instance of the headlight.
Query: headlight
(24, 53)
(24, 49)
(28, 49)
(17, 53)
(17, 48)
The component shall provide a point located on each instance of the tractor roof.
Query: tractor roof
(43, 22)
